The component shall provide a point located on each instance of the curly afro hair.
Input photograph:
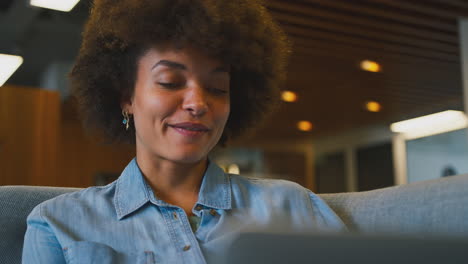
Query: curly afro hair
(240, 33)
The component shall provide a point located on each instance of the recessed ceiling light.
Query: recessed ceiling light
(289, 96)
(371, 66)
(431, 124)
(304, 126)
(60, 5)
(373, 106)
(8, 65)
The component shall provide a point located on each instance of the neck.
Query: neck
(175, 183)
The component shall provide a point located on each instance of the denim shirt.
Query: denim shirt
(124, 222)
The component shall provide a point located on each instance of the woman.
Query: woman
(175, 77)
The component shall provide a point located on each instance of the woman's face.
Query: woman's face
(180, 104)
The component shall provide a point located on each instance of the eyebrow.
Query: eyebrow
(170, 64)
(180, 66)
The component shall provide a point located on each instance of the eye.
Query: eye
(169, 85)
(218, 91)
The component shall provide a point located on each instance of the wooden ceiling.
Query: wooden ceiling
(416, 42)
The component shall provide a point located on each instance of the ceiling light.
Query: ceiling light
(8, 65)
(304, 126)
(60, 5)
(289, 96)
(371, 66)
(431, 124)
(373, 106)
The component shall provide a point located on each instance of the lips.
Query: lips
(190, 128)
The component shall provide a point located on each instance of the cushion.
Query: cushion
(434, 207)
(16, 202)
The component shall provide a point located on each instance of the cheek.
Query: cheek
(228, 111)
(153, 105)
(223, 112)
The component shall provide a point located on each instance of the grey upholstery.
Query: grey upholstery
(432, 207)
(16, 202)
(435, 207)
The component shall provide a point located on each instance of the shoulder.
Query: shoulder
(268, 189)
(265, 184)
(281, 191)
(93, 194)
(288, 197)
(67, 203)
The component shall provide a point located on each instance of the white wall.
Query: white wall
(428, 156)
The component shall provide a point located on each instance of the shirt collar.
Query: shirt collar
(215, 190)
(132, 191)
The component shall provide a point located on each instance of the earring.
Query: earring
(126, 119)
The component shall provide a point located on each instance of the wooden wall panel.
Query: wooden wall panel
(83, 156)
(46, 127)
(28, 124)
(41, 144)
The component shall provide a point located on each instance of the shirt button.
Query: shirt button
(175, 215)
(187, 247)
(213, 212)
(198, 207)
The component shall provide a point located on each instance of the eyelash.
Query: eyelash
(215, 91)
(169, 85)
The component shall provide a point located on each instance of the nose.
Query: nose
(195, 101)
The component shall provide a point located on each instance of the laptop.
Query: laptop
(289, 248)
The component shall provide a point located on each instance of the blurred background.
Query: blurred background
(357, 67)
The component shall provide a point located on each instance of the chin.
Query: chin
(189, 157)
(189, 160)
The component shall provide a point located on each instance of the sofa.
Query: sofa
(430, 208)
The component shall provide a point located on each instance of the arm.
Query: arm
(40, 244)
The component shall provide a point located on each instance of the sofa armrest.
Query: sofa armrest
(16, 202)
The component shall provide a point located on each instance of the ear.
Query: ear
(127, 105)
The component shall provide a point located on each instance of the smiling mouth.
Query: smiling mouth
(190, 129)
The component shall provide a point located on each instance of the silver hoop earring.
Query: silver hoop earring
(126, 119)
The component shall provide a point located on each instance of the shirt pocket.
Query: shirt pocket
(85, 252)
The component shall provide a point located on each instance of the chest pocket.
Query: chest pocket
(84, 252)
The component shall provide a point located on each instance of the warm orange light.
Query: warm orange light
(304, 126)
(289, 96)
(233, 169)
(373, 106)
(371, 66)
